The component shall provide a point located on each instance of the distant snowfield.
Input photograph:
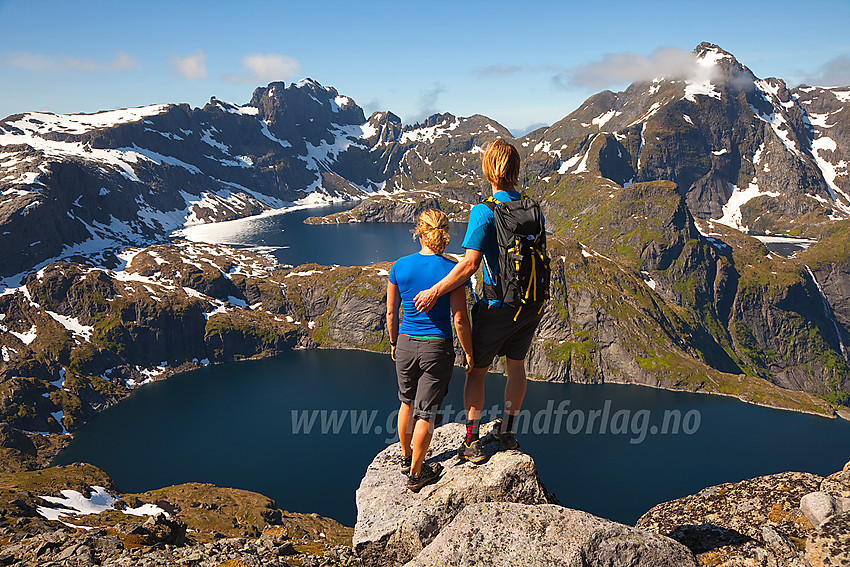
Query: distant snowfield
(785, 239)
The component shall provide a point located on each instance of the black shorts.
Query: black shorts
(495, 333)
(424, 368)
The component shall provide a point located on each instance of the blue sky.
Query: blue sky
(518, 63)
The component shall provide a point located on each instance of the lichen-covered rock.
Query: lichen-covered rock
(726, 522)
(506, 533)
(838, 484)
(394, 524)
(829, 546)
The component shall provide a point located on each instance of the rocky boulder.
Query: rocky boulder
(754, 520)
(547, 535)
(819, 506)
(830, 545)
(394, 524)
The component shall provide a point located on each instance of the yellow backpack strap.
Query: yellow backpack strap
(523, 195)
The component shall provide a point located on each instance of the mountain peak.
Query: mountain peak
(705, 49)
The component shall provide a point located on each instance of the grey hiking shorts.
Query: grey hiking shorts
(495, 333)
(424, 368)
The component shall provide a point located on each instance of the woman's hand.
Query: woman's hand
(470, 364)
(393, 352)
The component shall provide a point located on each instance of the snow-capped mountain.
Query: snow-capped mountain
(743, 151)
(747, 152)
(88, 183)
(80, 183)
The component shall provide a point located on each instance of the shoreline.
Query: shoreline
(835, 414)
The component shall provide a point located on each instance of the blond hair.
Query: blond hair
(501, 164)
(433, 228)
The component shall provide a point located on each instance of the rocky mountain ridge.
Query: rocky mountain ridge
(748, 152)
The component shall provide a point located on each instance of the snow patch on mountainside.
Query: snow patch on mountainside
(704, 73)
(264, 128)
(732, 209)
(41, 123)
(73, 325)
(831, 171)
(118, 159)
(602, 119)
(843, 96)
(430, 133)
(776, 120)
(73, 503)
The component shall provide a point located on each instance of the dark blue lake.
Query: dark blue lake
(293, 242)
(614, 451)
(234, 425)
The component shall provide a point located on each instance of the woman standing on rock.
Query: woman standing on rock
(422, 344)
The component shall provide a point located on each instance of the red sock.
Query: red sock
(472, 431)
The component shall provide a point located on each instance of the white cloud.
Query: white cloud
(628, 67)
(833, 73)
(266, 67)
(428, 101)
(499, 71)
(192, 66)
(46, 64)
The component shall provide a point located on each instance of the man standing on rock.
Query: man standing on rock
(498, 328)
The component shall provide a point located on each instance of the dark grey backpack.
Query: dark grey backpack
(523, 278)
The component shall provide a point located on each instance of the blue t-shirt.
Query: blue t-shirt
(415, 273)
(481, 235)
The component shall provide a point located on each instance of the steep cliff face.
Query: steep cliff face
(829, 259)
(676, 295)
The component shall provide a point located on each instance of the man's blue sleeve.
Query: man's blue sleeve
(476, 229)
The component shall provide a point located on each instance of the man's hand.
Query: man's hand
(426, 299)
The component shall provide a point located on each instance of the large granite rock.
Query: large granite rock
(819, 506)
(507, 533)
(394, 524)
(829, 546)
(756, 520)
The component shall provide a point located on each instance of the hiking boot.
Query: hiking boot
(428, 474)
(405, 464)
(507, 438)
(472, 452)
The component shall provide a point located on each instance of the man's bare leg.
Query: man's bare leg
(473, 393)
(514, 390)
(473, 401)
